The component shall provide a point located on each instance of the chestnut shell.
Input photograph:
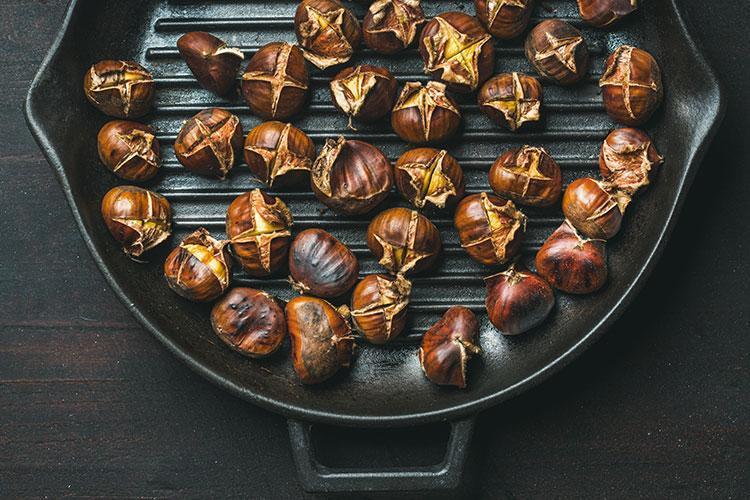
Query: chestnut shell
(602, 13)
(364, 92)
(390, 26)
(328, 31)
(593, 208)
(379, 306)
(448, 345)
(628, 160)
(210, 142)
(528, 176)
(279, 154)
(321, 265)
(504, 19)
(425, 114)
(518, 300)
(213, 63)
(403, 240)
(199, 269)
(429, 176)
(511, 100)
(129, 149)
(123, 89)
(558, 52)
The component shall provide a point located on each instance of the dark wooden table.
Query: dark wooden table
(92, 405)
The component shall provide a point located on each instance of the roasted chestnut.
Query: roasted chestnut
(425, 114)
(594, 208)
(364, 92)
(259, 227)
(213, 63)
(448, 345)
(199, 269)
(628, 160)
(511, 99)
(427, 175)
(123, 89)
(490, 228)
(403, 240)
(601, 13)
(137, 218)
(210, 142)
(558, 52)
(321, 338)
(321, 265)
(631, 85)
(528, 176)
(458, 51)
(351, 176)
(249, 321)
(129, 150)
(390, 26)
(517, 300)
(276, 80)
(379, 305)
(279, 154)
(328, 32)
(504, 18)
(572, 263)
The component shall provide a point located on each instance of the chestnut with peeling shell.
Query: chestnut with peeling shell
(403, 240)
(601, 13)
(321, 265)
(213, 63)
(123, 89)
(364, 92)
(504, 18)
(390, 26)
(448, 345)
(594, 208)
(558, 52)
(249, 321)
(137, 218)
(210, 143)
(379, 304)
(328, 32)
(429, 176)
(572, 263)
(517, 300)
(528, 176)
(199, 269)
(628, 160)
(511, 100)
(458, 51)
(129, 149)
(259, 228)
(279, 154)
(425, 114)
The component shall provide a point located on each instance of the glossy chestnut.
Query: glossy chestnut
(199, 269)
(628, 160)
(211, 60)
(210, 143)
(601, 13)
(123, 89)
(129, 149)
(390, 26)
(448, 345)
(137, 218)
(425, 114)
(511, 100)
(558, 52)
(379, 305)
(327, 31)
(594, 208)
(364, 92)
(403, 240)
(321, 265)
(518, 300)
(504, 19)
(528, 176)
(279, 154)
(429, 176)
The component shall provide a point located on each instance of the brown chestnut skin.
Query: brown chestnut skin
(213, 63)
(390, 26)
(199, 269)
(429, 176)
(279, 154)
(631, 85)
(572, 263)
(137, 218)
(490, 228)
(602, 13)
(249, 321)
(328, 32)
(259, 227)
(558, 52)
(518, 300)
(364, 92)
(511, 100)
(594, 208)
(123, 89)
(350, 176)
(504, 19)
(275, 82)
(210, 143)
(129, 150)
(528, 176)
(404, 241)
(321, 338)
(628, 160)
(448, 345)
(425, 114)
(321, 265)
(379, 305)
(458, 51)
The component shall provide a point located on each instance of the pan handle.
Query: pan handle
(317, 478)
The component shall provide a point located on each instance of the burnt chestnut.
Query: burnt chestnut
(628, 160)
(631, 85)
(558, 52)
(321, 338)
(279, 154)
(129, 150)
(427, 175)
(403, 240)
(276, 81)
(379, 304)
(572, 263)
(517, 300)
(528, 176)
(321, 265)
(504, 18)
(210, 143)
(350, 176)
(490, 228)
(594, 208)
(213, 63)
(249, 321)
(259, 228)
(123, 89)
(199, 269)
(601, 13)
(328, 32)
(137, 218)
(364, 92)
(390, 26)
(458, 51)
(448, 345)
(511, 99)
(425, 114)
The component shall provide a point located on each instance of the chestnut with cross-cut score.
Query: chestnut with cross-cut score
(210, 143)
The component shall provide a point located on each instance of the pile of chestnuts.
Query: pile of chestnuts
(335, 307)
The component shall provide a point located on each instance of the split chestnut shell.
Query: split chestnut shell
(199, 269)
(379, 305)
(448, 345)
(137, 218)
